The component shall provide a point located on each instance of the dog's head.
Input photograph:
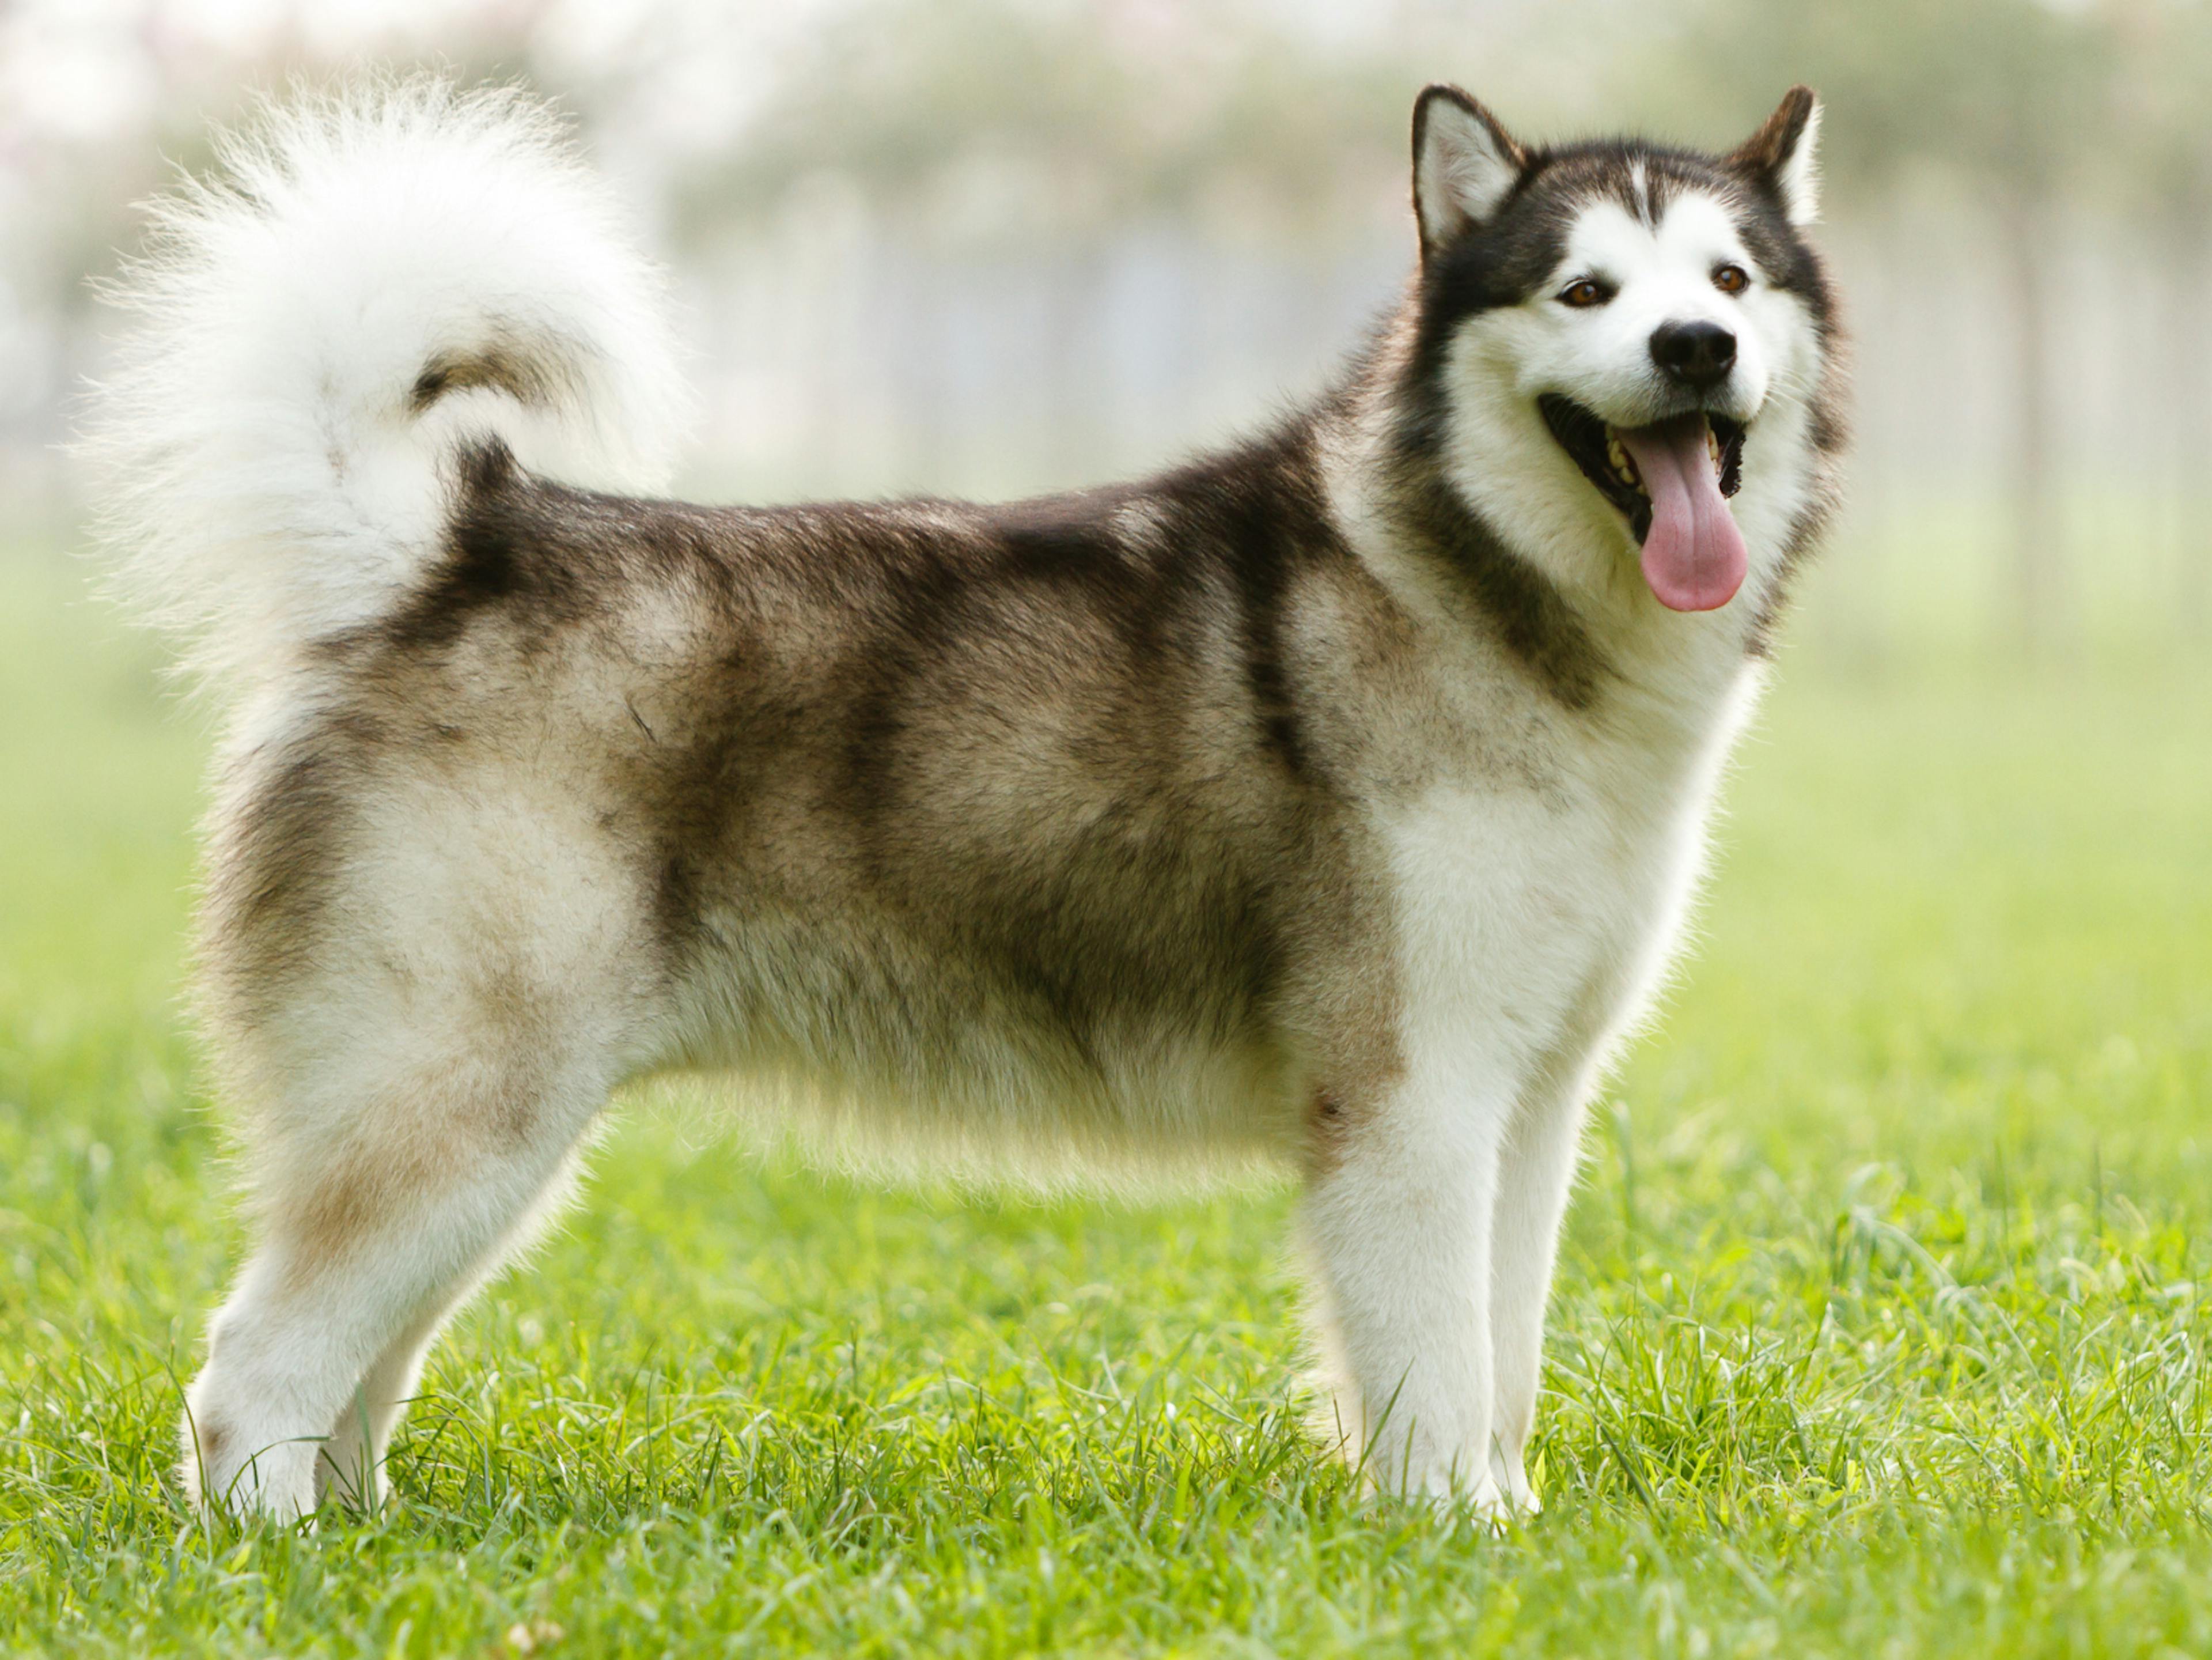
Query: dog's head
(1624, 333)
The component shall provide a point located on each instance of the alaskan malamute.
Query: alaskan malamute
(1335, 798)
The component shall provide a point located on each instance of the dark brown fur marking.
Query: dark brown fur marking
(210, 1438)
(1327, 1126)
(505, 365)
(1008, 717)
(1530, 617)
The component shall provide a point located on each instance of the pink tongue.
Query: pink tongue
(1693, 555)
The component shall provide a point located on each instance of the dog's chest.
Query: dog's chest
(1540, 898)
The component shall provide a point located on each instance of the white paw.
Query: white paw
(1510, 1476)
(1445, 1488)
(344, 1476)
(1488, 1504)
(227, 1472)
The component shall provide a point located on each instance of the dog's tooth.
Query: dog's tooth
(1624, 469)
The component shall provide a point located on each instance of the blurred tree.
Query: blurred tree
(2164, 91)
(1111, 113)
(2016, 97)
(1140, 108)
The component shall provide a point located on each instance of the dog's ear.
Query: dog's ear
(1465, 165)
(1782, 157)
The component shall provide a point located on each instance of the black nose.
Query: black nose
(1694, 354)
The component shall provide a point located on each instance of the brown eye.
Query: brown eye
(1731, 279)
(1585, 291)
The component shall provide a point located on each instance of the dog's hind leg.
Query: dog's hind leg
(370, 1231)
(351, 1468)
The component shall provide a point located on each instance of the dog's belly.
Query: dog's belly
(857, 1035)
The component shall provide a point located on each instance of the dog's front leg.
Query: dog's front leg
(1536, 1174)
(1398, 1215)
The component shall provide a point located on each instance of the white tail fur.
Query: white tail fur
(376, 278)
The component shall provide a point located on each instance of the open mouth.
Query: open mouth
(1670, 481)
(1608, 464)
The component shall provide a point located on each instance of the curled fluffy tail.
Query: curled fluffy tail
(378, 281)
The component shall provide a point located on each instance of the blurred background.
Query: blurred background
(990, 246)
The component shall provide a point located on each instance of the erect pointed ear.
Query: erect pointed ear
(1784, 155)
(1464, 165)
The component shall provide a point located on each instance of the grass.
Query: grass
(1881, 1326)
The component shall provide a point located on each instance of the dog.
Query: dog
(1334, 799)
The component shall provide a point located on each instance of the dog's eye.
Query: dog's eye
(1731, 279)
(1585, 291)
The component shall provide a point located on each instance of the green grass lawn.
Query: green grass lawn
(1881, 1328)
